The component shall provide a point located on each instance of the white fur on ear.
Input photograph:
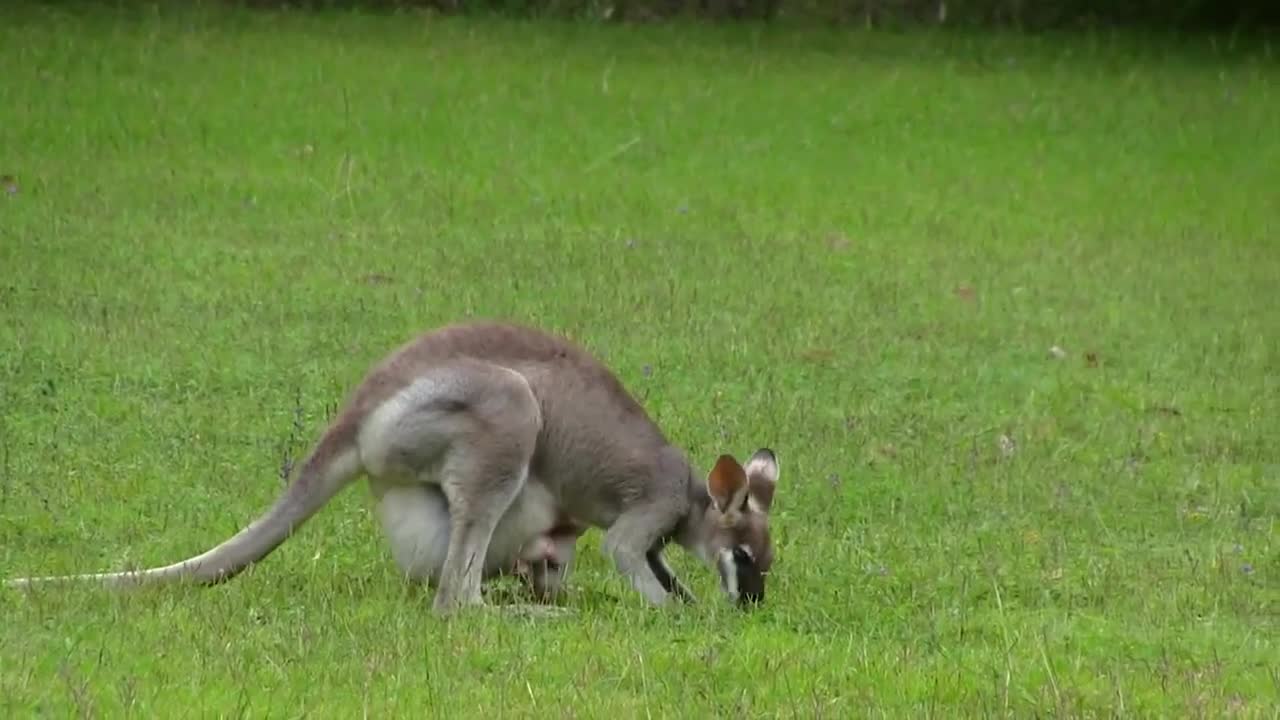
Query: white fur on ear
(762, 477)
(763, 467)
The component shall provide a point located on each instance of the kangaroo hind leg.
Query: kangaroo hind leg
(469, 427)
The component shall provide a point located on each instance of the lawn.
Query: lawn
(1005, 306)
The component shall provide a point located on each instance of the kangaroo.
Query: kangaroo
(489, 445)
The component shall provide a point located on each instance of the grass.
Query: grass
(856, 248)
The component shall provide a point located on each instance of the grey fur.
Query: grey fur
(509, 435)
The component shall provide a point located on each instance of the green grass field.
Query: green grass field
(856, 248)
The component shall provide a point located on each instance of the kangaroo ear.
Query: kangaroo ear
(762, 477)
(727, 485)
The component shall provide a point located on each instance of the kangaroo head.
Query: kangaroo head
(736, 524)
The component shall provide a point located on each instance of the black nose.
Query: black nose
(750, 580)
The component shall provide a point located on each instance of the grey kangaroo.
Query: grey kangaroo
(491, 448)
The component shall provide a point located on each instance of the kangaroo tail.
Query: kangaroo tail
(330, 467)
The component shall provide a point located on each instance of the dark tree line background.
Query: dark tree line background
(1022, 14)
